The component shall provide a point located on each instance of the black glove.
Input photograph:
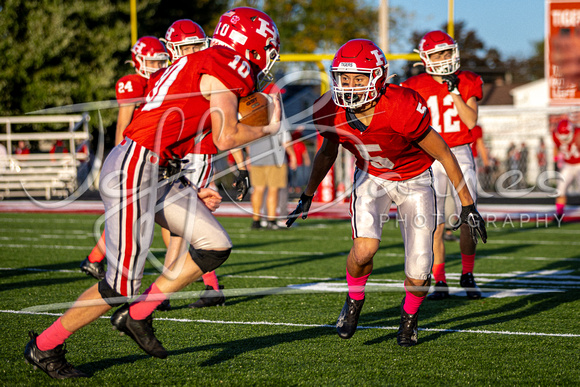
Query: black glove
(302, 208)
(471, 217)
(452, 81)
(242, 184)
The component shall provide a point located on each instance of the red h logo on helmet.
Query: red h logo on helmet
(254, 35)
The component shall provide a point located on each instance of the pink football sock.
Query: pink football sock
(560, 209)
(439, 272)
(467, 263)
(147, 303)
(412, 302)
(356, 286)
(98, 254)
(53, 336)
(210, 279)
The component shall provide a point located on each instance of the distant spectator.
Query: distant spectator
(58, 147)
(541, 156)
(23, 148)
(523, 164)
(511, 163)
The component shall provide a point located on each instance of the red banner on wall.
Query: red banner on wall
(562, 33)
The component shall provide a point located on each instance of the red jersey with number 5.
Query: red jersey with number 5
(444, 116)
(130, 89)
(387, 148)
(175, 119)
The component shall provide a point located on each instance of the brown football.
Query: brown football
(255, 109)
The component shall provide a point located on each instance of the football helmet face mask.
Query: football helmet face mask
(565, 131)
(181, 33)
(148, 48)
(358, 56)
(436, 41)
(253, 35)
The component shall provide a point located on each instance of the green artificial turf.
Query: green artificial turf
(284, 291)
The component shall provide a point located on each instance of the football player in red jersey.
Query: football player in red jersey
(386, 127)
(451, 97)
(566, 138)
(141, 183)
(185, 37)
(147, 56)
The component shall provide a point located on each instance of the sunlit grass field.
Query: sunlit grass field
(284, 291)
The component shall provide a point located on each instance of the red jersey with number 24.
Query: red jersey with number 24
(387, 147)
(131, 89)
(175, 120)
(444, 116)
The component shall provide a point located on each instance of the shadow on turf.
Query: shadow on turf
(234, 348)
(10, 274)
(516, 310)
(519, 308)
(229, 350)
(272, 263)
(266, 243)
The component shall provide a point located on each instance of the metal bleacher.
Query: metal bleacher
(42, 174)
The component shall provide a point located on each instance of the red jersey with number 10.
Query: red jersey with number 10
(387, 147)
(175, 120)
(444, 116)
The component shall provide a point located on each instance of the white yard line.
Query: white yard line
(270, 323)
(540, 278)
(264, 252)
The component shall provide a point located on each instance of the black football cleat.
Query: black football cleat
(165, 306)
(141, 331)
(441, 292)
(468, 283)
(94, 269)
(348, 318)
(408, 332)
(210, 297)
(52, 362)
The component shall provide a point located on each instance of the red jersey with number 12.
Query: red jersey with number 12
(387, 147)
(175, 120)
(444, 116)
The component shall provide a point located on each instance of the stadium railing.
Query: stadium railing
(42, 173)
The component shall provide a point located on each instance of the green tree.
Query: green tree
(527, 69)
(59, 52)
(154, 17)
(322, 26)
